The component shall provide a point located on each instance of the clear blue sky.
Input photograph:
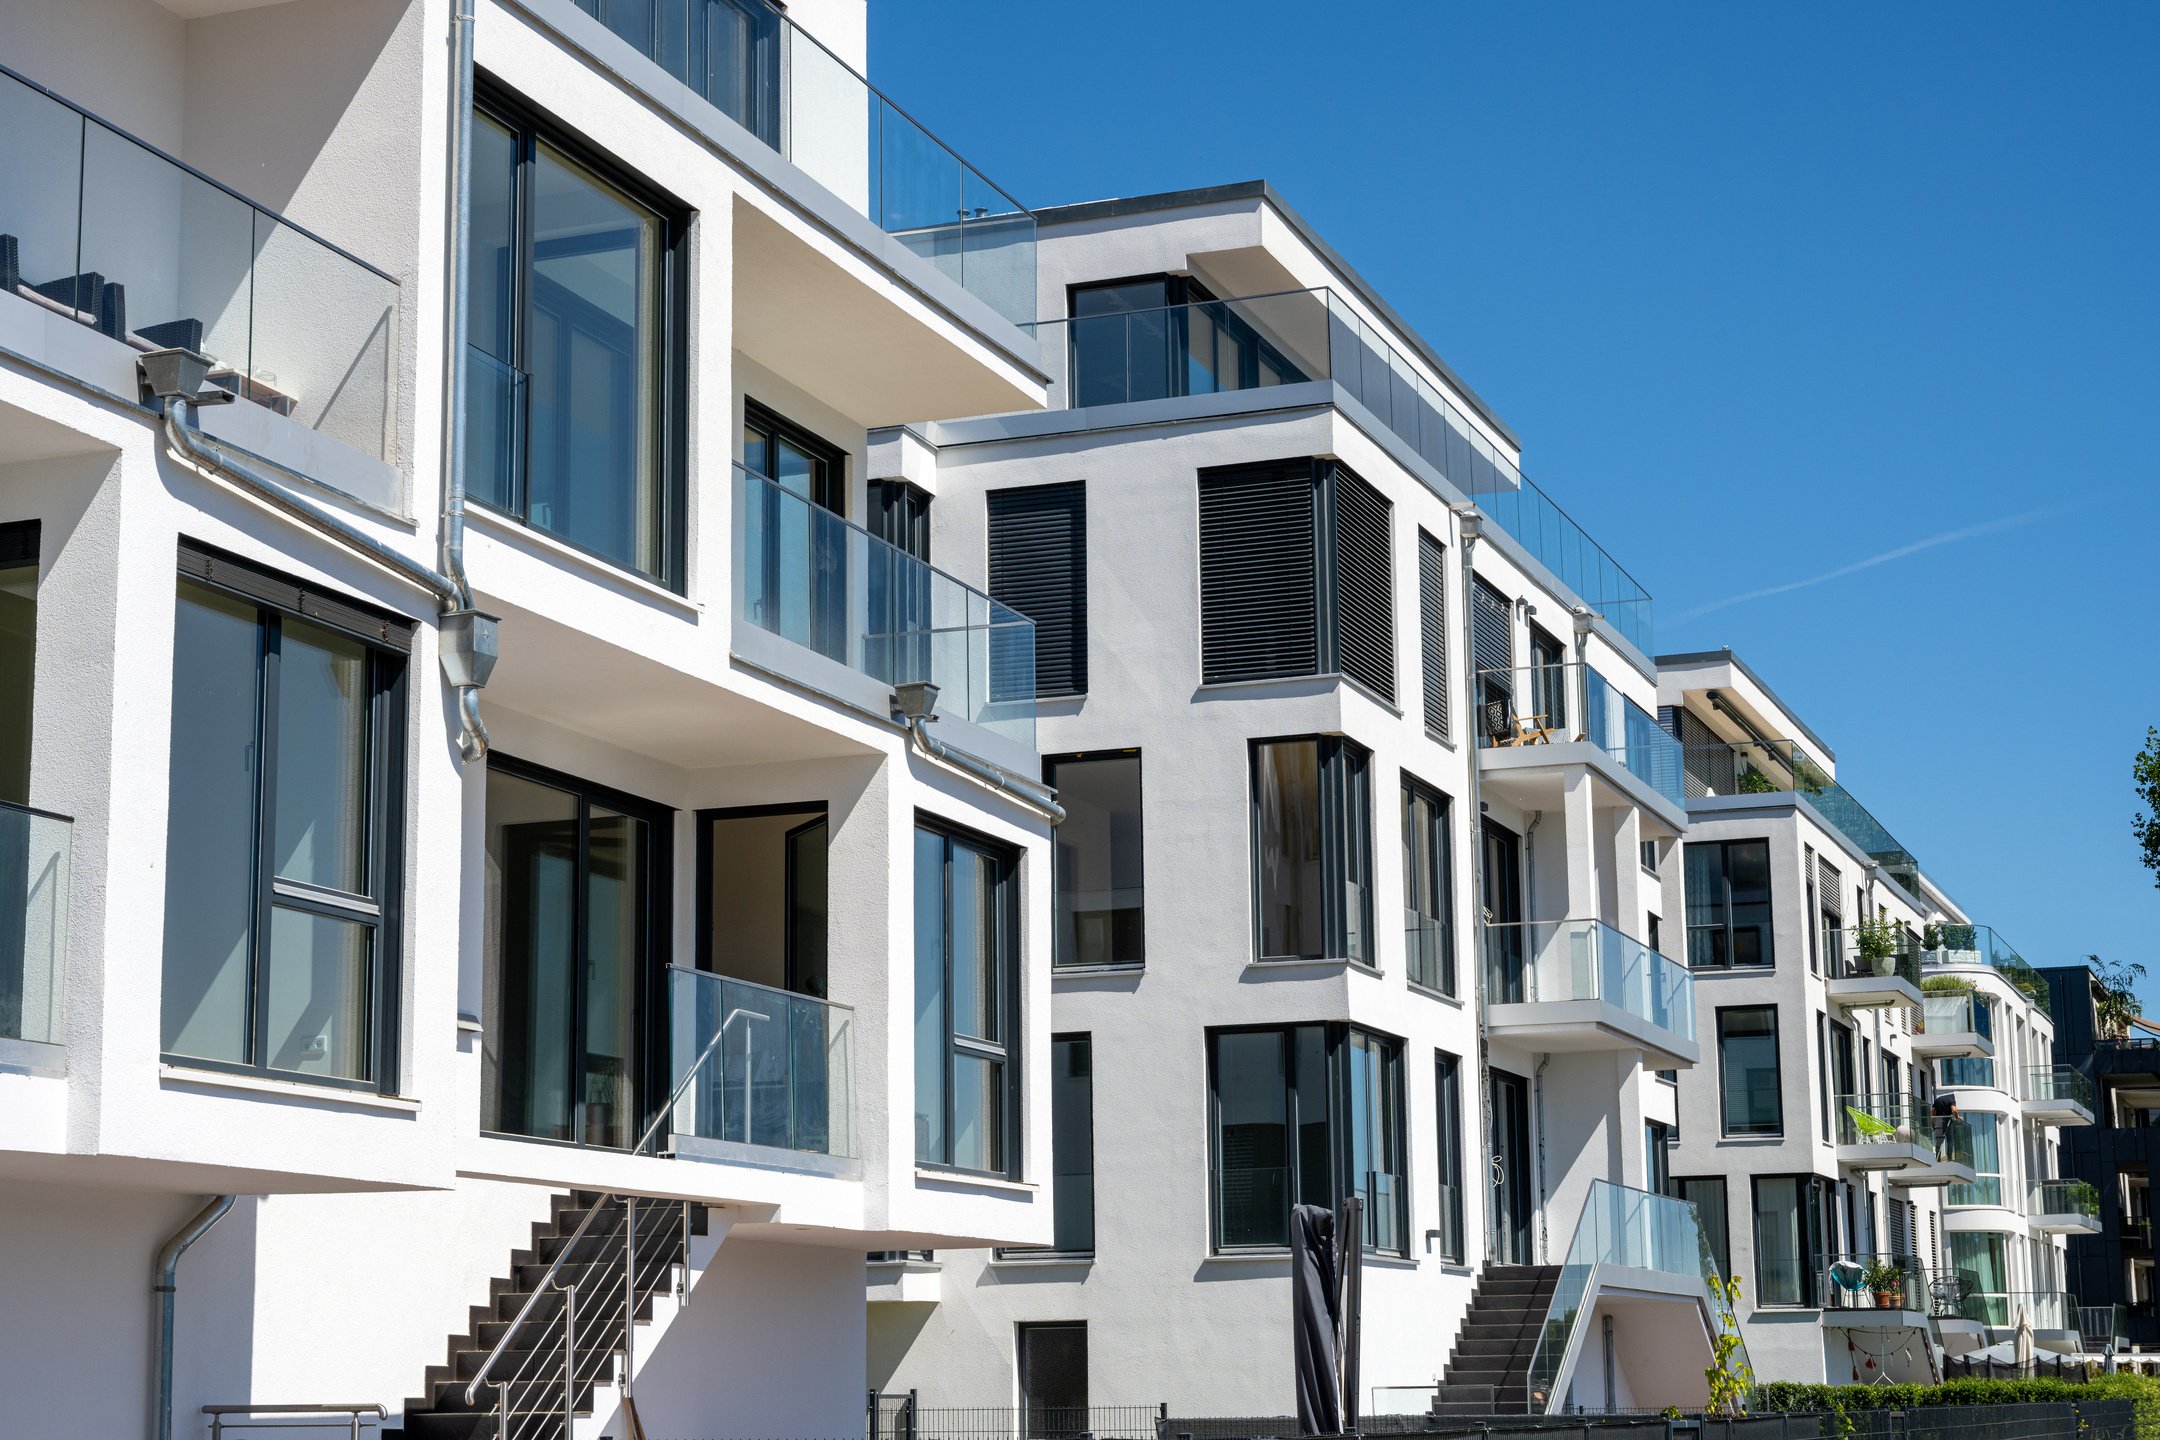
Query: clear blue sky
(1768, 292)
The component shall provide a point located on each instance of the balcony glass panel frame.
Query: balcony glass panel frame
(1531, 705)
(758, 1066)
(36, 850)
(1536, 962)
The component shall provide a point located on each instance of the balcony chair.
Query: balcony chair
(1873, 1130)
(1507, 730)
(1849, 1279)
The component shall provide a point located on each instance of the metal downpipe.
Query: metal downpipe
(164, 1284)
(995, 776)
(472, 734)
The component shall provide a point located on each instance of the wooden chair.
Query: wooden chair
(1507, 730)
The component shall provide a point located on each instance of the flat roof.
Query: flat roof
(1263, 191)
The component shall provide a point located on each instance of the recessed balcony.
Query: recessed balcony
(1775, 767)
(127, 243)
(2064, 1207)
(1871, 970)
(1536, 720)
(2058, 1095)
(824, 603)
(34, 853)
(1580, 985)
(1883, 1132)
(1954, 1022)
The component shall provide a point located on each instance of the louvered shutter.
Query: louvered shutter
(19, 542)
(1364, 583)
(1432, 631)
(1038, 566)
(1258, 598)
(251, 582)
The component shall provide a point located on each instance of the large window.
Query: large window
(576, 940)
(1432, 634)
(1428, 887)
(1054, 1380)
(1296, 575)
(1728, 903)
(572, 371)
(1987, 1189)
(1448, 1093)
(1302, 1116)
(1791, 1241)
(1129, 343)
(1038, 566)
(1100, 892)
(1657, 1156)
(1072, 1149)
(1707, 1195)
(967, 1002)
(1981, 1259)
(1748, 1070)
(283, 845)
(18, 655)
(1312, 848)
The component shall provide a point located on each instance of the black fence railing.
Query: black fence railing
(903, 1417)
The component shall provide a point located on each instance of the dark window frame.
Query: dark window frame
(1066, 605)
(388, 638)
(1447, 1110)
(649, 1078)
(1725, 928)
(1055, 1251)
(1680, 1184)
(1777, 1051)
(1435, 688)
(1345, 840)
(900, 516)
(1011, 1054)
(530, 123)
(832, 490)
(1443, 857)
(1335, 1058)
(1051, 765)
(1816, 1203)
(703, 821)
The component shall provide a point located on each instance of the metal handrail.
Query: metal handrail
(517, 1322)
(177, 163)
(354, 1415)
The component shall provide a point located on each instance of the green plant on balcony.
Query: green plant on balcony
(2084, 1197)
(1876, 941)
(1960, 937)
(1931, 935)
(1886, 1279)
(1754, 782)
(1945, 985)
(1808, 777)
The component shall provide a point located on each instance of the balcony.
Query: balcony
(1876, 1292)
(1779, 767)
(2104, 1328)
(1979, 946)
(1883, 1132)
(1534, 719)
(1954, 1022)
(826, 604)
(2058, 1095)
(34, 849)
(763, 1076)
(1580, 985)
(1952, 1139)
(128, 242)
(2054, 1315)
(2064, 1207)
(1214, 347)
(777, 81)
(1631, 1251)
(1868, 969)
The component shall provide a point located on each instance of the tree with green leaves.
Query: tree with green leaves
(2145, 777)
(2118, 1000)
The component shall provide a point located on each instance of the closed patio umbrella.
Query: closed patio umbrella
(2024, 1339)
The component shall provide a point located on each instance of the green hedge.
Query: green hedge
(2142, 1390)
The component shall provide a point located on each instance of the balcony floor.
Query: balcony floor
(1567, 1027)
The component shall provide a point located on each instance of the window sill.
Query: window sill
(182, 1075)
(519, 535)
(1247, 1257)
(961, 1179)
(1754, 1140)
(1431, 994)
(1040, 1262)
(1364, 969)
(1304, 963)
(1059, 972)
(1443, 741)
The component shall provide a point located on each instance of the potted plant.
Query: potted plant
(1876, 942)
(1754, 782)
(1887, 1279)
(2084, 1197)
(1931, 936)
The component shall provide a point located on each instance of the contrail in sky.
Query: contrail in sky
(1947, 537)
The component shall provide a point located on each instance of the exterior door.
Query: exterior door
(1504, 947)
(1510, 1167)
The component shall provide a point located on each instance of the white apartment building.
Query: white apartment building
(1363, 888)
(1841, 995)
(408, 1034)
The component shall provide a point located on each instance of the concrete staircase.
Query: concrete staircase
(1488, 1371)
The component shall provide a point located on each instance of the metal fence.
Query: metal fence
(2094, 1420)
(903, 1417)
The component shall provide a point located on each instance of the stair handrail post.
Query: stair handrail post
(569, 1347)
(629, 1314)
(502, 1408)
(487, 1366)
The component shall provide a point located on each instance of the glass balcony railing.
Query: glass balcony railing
(1953, 1143)
(1883, 1282)
(1426, 943)
(1981, 945)
(1844, 957)
(1964, 1072)
(2059, 1082)
(2064, 1197)
(1890, 1120)
(2044, 1309)
(1619, 1227)
(1956, 1013)
(1213, 346)
(1779, 766)
(776, 80)
(2102, 1323)
(34, 849)
(759, 1066)
(104, 230)
(1544, 962)
(808, 576)
(1544, 704)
